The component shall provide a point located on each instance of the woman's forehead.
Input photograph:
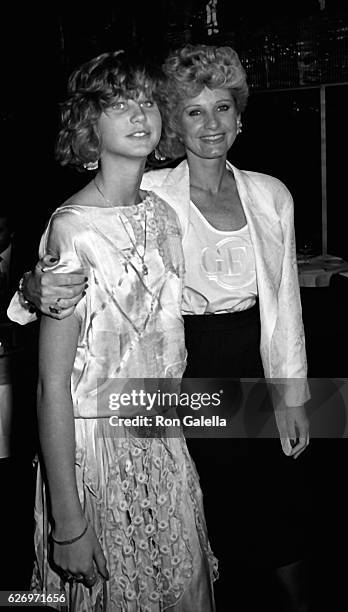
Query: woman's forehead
(133, 94)
(208, 95)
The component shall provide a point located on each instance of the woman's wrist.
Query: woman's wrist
(68, 528)
(23, 295)
(70, 540)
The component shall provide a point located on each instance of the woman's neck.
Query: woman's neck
(120, 183)
(207, 174)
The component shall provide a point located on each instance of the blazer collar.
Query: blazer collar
(176, 183)
(255, 199)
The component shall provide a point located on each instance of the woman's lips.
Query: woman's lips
(213, 138)
(139, 134)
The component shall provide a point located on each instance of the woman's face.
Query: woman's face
(130, 128)
(208, 123)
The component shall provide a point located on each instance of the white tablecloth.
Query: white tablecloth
(317, 271)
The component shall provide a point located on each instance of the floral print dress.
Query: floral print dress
(140, 492)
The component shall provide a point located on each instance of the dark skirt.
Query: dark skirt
(257, 500)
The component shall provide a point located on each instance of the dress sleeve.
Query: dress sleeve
(61, 239)
(17, 313)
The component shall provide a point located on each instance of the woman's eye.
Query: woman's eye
(224, 107)
(119, 105)
(147, 103)
(194, 113)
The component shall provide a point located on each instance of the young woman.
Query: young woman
(119, 517)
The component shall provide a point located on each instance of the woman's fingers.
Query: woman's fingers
(67, 303)
(87, 574)
(55, 299)
(100, 561)
(54, 294)
(62, 314)
(74, 559)
(59, 309)
(302, 444)
(90, 577)
(47, 261)
(298, 427)
(62, 285)
(69, 577)
(63, 280)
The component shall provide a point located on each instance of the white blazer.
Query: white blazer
(268, 207)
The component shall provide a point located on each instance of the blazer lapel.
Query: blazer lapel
(267, 238)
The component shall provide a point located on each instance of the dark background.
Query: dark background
(281, 125)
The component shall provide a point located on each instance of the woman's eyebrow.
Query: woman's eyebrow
(192, 106)
(197, 105)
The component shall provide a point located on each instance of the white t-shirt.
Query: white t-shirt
(220, 268)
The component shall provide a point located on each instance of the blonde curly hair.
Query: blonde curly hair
(92, 88)
(188, 70)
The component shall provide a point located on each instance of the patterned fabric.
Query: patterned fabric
(131, 325)
(141, 495)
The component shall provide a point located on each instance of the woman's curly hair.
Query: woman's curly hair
(188, 70)
(92, 88)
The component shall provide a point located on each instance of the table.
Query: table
(317, 271)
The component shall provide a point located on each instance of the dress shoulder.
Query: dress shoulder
(67, 217)
(154, 177)
(62, 237)
(168, 215)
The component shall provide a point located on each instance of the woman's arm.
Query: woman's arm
(57, 348)
(291, 416)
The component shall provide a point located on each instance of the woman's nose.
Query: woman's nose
(138, 113)
(211, 120)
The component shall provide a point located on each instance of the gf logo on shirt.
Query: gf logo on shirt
(230, 263)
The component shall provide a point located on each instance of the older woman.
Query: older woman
(239, 247)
